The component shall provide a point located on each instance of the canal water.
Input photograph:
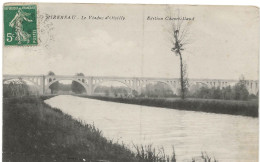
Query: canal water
(228, 138)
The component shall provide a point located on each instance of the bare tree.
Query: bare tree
(186, 85)
(179, 33)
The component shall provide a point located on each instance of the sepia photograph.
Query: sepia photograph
(130, 83)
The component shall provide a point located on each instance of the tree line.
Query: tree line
(160, 90)
(118, 91)
(237, 92)
(16, 88)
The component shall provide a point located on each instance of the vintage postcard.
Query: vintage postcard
(130, 83)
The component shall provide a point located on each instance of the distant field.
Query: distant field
(232, 107)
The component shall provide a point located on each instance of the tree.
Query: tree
(240, 91)
(106, 92)
(55, 86)
(185, 81)
(179, 38)
(51, 73)
(77, 87)
(227, 93)
(237, 92)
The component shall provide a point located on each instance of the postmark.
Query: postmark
(20, 25)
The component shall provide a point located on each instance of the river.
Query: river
(229, 138)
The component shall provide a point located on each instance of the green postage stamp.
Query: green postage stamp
(20, 25)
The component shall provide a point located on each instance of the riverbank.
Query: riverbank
(34, 131)
(232, 107)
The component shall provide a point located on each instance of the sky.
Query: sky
(224, 42)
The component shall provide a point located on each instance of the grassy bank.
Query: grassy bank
(245, 108)
(33, 131)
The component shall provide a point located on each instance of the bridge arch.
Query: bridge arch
(60, 79)
(199, 83)
(112, 80)
(171, 86)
